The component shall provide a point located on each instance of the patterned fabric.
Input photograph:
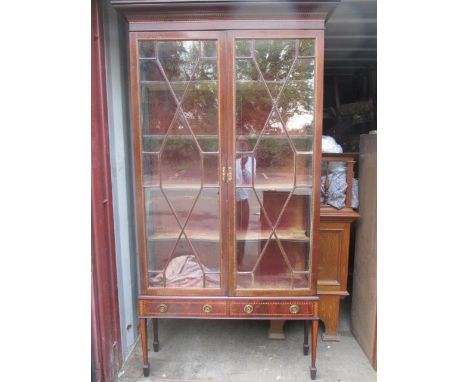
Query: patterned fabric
(336, 195)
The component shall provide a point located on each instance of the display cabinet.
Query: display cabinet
(226, 112)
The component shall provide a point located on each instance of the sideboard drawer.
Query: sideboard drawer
(182, 308)
(289, 309)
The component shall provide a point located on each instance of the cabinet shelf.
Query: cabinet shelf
(213, 136)
(300, 189)
(180, 187)
(214, 236)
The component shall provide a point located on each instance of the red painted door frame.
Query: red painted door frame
(105, 321)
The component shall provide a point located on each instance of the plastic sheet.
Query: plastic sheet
(336, 195)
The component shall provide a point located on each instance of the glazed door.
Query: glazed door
(275, 137)
(178, 111)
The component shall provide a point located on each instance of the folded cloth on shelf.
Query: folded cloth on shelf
(336, 196)
(185, 272)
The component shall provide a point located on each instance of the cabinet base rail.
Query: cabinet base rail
(304, 309)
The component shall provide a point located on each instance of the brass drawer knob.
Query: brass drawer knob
(163, 308)
(207, 308)
(294, 309)
(248, 309)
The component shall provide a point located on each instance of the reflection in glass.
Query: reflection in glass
(274, 58)
(147, 49)
(181, 162)
(150, 169)
(306, 47)
(157, 108)
(203, 228)
(210, 170)
(180, 139)
(200, 103)
(178, 58)
(245, 172)
(274, 128)
(244, 48)
(209, 49)
(253, 103)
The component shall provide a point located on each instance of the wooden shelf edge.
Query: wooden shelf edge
(216, 237)
(328, 213)
(342, 293)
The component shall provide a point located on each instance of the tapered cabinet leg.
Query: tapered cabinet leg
(144, 346)
(306, 337)
(313, 369)
(155, 335)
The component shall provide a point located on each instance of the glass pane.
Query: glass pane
(147, 49)
(157, 108)
(244, 48)
(178, 59)
(200, 102)
(209, 49)
(296, 104)
(274, 58)
(203, 228)
(151, 169)
(307, 47)
(274, 173)
(304, 170)
(181, 162)
(210, 170)
(253, 103)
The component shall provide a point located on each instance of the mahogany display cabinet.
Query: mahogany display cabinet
(226, 114)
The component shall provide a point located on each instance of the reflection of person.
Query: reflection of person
(245, 169)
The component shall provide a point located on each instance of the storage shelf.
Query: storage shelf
(214, 236)
(300, 190)
(184, 186)
(286, 235)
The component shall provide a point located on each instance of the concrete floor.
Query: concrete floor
(240, 351)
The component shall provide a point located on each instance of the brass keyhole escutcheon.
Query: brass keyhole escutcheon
(207, 308)
(163, 308)
(294, 309)
(248, 308)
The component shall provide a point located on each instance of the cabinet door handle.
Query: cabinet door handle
(294, 309)
(229, 174)
(207, 308)
(248, 309)
(163, 308)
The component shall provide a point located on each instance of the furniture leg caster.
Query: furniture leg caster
(146, 369)
(305, 349)
(313, 372)
(156, 346)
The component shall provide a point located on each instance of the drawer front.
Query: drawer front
(183, 308)
(289, 309)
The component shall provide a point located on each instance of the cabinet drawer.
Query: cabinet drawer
(290, 309)
(183, 308)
